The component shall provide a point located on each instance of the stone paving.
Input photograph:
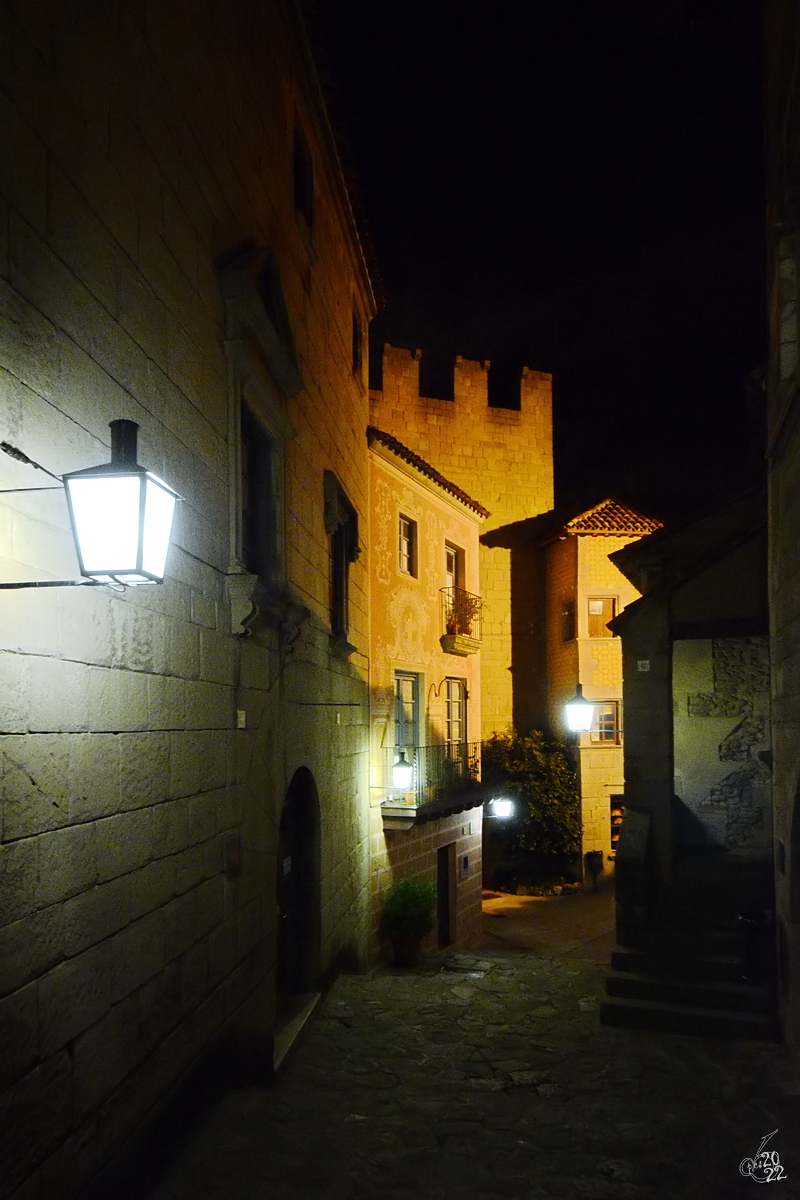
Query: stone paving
(479, 1077)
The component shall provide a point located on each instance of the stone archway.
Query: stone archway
(298, 892)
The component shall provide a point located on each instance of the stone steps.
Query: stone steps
(719, 994)
(686, 1019)
(711, 967)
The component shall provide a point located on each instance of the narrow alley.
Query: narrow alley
(488, 1075)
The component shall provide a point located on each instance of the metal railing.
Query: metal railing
(461, 613)
(441, 769)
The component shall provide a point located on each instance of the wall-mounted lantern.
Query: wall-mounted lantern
(502, 807)
(579, 712)
(402, 772)
(121, 516)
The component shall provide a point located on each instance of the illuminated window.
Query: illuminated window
(606, 729)
(455, 712)
(602, 609)
(453, 566)
(406, 713)
(568, 620)
(408, 545)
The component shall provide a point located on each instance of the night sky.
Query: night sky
(573, 185)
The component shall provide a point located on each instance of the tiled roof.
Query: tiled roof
(414, 460)
(612, 519)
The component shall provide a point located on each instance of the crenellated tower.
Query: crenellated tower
(502, 456)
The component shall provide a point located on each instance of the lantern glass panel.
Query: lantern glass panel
(106, 514)
(159, 510)
(579, 715)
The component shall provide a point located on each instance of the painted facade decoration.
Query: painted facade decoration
(425, 676)
(721, 716)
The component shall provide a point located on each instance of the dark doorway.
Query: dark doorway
(445, 894)
(298, 893)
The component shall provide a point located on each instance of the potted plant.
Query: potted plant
(407, 915)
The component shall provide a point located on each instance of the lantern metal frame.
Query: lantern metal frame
(123, 464)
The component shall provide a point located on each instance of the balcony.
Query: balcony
(461, 620)
(446, 780)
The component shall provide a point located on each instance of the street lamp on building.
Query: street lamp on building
(402, 772)
(121, 516)
(579, 712)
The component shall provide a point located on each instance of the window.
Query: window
(408, 545)
(406, 713)
(358, 347)
(453, 566)
(303, 178)
(602, 609)
(259, 515)
(341, 523)
(605, 729)
(567, 620)
(455, 712)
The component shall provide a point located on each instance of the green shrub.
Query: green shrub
(409, 907)
(539, 775)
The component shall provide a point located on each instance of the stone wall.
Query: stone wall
(503, 457)
(146, 747)
(721, 723)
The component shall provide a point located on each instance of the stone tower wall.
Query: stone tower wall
(502, 457)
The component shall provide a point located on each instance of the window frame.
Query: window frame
(450, 700)
(604, 632)
(568, 619)
(341, 525)
(597, 732)
(411, 571)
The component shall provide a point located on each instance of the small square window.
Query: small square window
(606, 728)
(602, 609)
(408, 545)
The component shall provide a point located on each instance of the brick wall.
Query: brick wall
(502, 457)
(141, 146)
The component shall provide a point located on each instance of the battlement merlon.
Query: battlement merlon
(470, 384)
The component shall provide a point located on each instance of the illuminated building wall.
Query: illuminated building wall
(502, 455)
(407, 627)
(177, 248)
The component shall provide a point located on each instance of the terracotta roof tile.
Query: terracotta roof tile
(414, 460)
(611, 519)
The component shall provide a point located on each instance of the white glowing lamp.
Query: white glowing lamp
(402, 772)
(502, 807)
(121, 515)
(580, 712)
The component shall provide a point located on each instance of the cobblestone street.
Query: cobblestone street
(487, 1076)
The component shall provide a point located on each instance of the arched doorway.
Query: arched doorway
(298, 893)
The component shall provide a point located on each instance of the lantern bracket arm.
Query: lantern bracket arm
(11, 491)
(44, 583)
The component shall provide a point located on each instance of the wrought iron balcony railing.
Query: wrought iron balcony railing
(439, 770)
(461, 614)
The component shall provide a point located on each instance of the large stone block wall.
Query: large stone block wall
(140, 146)
(501, 457)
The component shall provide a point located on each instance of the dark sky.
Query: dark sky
(573, 185)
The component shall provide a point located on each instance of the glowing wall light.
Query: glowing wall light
(121, 515)
(501, 807)
(579, 712)
(402, 772)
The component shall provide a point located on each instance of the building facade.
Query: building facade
(584, 590)
(503, 455)
(185, 814)
(425, 676)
